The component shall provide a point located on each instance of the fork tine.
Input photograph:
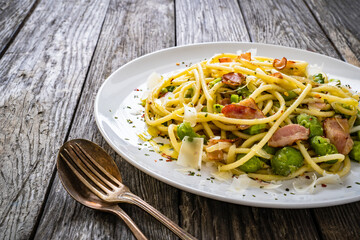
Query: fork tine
(87, 173)
(82, 179)
(84, 158)
(107, 174)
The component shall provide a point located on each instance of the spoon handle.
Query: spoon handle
(133, 199)
(129, 222)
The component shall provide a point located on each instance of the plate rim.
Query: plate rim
(254, 203)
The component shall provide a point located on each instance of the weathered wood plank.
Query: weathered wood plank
(287, 23)
(125, 35)
(205, 21)
(12, 15)
(42, 74)
(341, 24)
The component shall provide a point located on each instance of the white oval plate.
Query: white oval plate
(117, 106)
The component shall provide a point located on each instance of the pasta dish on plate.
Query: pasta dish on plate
(272, 119)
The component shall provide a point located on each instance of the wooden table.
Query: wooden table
(55, 54)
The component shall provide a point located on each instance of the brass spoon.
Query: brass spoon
(83, 195)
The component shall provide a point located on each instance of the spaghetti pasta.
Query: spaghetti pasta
(262, 113)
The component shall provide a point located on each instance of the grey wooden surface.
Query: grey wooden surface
(54, 55)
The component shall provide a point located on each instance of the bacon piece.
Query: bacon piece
(225, 101)
(288, 135)
(318, 105)
(226, 59)
(280, 64)
(246, 109)
(246, 56)
(277, 74)
(338, 132)
(233, 79)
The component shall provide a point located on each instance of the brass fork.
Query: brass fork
(110, 189)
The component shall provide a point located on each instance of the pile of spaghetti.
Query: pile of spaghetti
(273, 119)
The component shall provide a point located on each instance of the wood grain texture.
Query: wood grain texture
(339, 222)
(286, 23)
(131, 29)
(42, 74)
(340, 21)
(12, 15)
(205, 21)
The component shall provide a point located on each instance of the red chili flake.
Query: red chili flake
(177, 64)
(155, 160)
(136, 89)
(307, 177)
(143, 115)
(323, 185)
(169, 160)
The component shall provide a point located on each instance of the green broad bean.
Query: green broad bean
(235, 98)
(312, 123)
(289, 95)
(319, 78)
(355, 152)
(252, 165)
(217, 108)
(255, 129)
(286, 160)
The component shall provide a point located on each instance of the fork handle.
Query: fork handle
(129, 222)
(133, 199)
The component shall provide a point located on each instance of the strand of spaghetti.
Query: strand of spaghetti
(253, 139)
(336, 156)
(271, 177)
(332, 89)
(223, 134)
(309, 160)
(174, 115)
(346, 168)
(260, 153)
(343, 110)
(265, 97)
(212, 91)
(315, 113)
(331, 98)
(173, 139)
(196, 96)
(240, 134)
(187, 86)
(208, 130)
(269, 133)
(336, 166)
(231, 156)
(203, 83)
(266, 88)
(268, 106)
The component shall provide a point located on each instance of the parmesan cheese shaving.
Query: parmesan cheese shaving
(190, 154)
(306, 185)
(243, 182)
(190, 115)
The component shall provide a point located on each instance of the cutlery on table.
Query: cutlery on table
(98, 171)
(85, 196)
